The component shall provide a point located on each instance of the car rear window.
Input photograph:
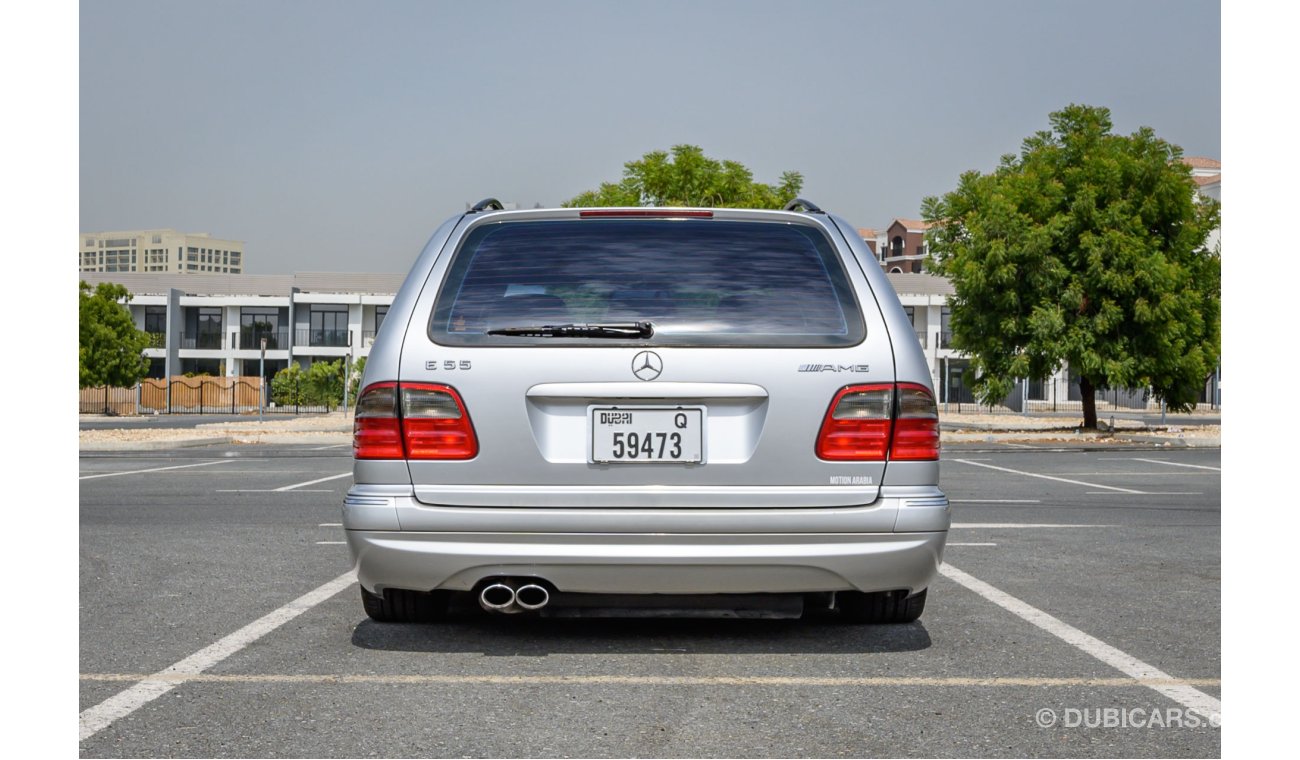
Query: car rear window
(699, 282)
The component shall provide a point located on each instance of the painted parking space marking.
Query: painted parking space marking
(330, 525)
(1026, 525)
(1049, 477)
(150, 687)
(956, 543)
(624, 680)
(296, 487)
(1181, 692)
(1152, 493)
(332, 543)
(152, 469)
(995, 501)
(1181, 464)
(347, 474)
(273, 490)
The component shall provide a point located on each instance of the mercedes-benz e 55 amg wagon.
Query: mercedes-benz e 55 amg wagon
(568, 411)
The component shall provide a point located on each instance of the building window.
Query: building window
(329, 325)
(155, 325)
(256, 323)
(896, 246)
(911, 314)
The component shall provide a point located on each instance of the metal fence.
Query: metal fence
(1061, 395)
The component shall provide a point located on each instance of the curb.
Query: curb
(153, 445)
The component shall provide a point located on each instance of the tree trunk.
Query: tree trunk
(1089, 394)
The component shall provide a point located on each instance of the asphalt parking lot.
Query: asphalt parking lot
(1078, 614)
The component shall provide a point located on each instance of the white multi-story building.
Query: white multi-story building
(217, 324)
(163, 250)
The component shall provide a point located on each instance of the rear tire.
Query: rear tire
(881, 607)
(398, 605)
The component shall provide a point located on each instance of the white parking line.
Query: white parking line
(151, 469)
(332, 543)
(953, 543)
(272, 490)
(330, 525)
(1152, 493)
(347, 474)
(1026, 525)
(96, 718)
(994, 501)
(627, 680)
(1048, 477)
(1180, 464)
(1181, 693)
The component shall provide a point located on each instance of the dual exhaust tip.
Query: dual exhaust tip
(509, 597)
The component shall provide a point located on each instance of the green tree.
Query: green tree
(689, 178)
(321, 384)
(1088, 248)
(111, 351)
(354, 385)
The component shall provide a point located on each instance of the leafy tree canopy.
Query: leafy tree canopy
(112, 348)
(689, 178)
(1086, 248)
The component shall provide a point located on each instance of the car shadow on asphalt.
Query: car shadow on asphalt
(516, 636)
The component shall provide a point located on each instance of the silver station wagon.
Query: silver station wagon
(643, 411)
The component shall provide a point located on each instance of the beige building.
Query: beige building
(159, 251)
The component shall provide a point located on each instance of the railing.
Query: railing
(327, 338)
(205, 340)
(1061, 395)
(251, 339)
(156, 340)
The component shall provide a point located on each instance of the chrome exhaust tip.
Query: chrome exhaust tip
(497, 597)
(532, 597)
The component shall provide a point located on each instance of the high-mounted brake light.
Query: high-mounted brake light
(663, 213)
(412, 421)
(871, 423)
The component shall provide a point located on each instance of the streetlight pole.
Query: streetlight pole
(261, 381)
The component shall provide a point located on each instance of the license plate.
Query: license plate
(646, 434)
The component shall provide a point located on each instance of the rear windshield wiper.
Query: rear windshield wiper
(638, 330)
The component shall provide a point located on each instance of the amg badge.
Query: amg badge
(834, 368)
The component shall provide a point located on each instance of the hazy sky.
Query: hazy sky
(335, 136)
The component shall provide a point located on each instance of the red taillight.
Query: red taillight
(857, 424)
(376, 429)
(916, 429)
(435, 423)
(412, 421)
(874, 422)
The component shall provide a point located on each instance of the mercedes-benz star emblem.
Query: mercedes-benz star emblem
(647, 365)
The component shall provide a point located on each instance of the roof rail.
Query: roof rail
(486, 204)
(799, 203)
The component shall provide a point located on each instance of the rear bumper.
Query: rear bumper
(618, 551)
